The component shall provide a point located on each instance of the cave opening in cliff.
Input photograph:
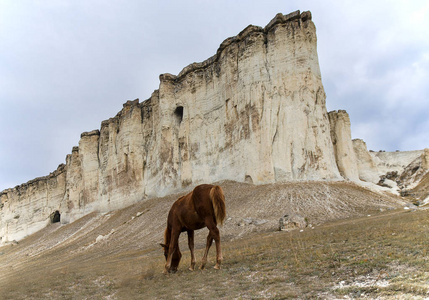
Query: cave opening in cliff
(55, 217)
(178, 112)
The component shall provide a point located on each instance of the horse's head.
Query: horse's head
(165, 250)
(175, 259)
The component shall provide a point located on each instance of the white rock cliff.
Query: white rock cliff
(343, 147)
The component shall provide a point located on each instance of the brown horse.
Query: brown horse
(203, 207)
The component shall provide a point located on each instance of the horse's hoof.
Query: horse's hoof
(217, 267)
(191, 269)
(202, 268)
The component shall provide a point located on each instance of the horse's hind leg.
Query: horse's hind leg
(206, 252)
(219, 257)
(214, 232)
(191, 248)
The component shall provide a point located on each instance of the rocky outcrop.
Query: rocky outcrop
(343, 147)
(367, 168)
(26, 208)
(394, 161)
(398, 171)
(414, 180)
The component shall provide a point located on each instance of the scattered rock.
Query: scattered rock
(11, 243)
(103, 237)
(250, 221)
(410, 207)
(292, 221)
(259, 222)
(99, 238)
(387, 183)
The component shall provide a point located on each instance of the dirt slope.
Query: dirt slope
(421, 191)
(106, 243)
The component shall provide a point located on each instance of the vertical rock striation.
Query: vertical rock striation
(255, 110)
(343, 147)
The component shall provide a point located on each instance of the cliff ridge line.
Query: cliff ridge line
(250, 29)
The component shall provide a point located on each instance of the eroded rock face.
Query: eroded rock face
(27, 208)
(343, 147)
(367, 168)
(253, 112)
(415, 171)
(394, 161)
(399, 172)
(261, 100)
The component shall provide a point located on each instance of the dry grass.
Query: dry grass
(383, 255)
(380, 256)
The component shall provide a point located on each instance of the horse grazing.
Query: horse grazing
(203, 207)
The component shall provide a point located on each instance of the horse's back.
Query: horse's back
(201, 194)
(202, 189)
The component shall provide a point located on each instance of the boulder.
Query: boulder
(292, 221)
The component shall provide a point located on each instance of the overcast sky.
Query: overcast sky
(67, 65)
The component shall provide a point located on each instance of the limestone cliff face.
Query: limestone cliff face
(26, 208)
(416, 170)
(343, 147)
(254, 112)
(367, 168)
(394, 161)
(397, 172)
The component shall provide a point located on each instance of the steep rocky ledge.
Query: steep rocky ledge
(342, 141)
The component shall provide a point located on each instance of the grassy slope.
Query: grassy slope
(384, 254)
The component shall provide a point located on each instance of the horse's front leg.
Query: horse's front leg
(191, 248)
(171, 250)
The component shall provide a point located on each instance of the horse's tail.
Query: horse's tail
(218, 200)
